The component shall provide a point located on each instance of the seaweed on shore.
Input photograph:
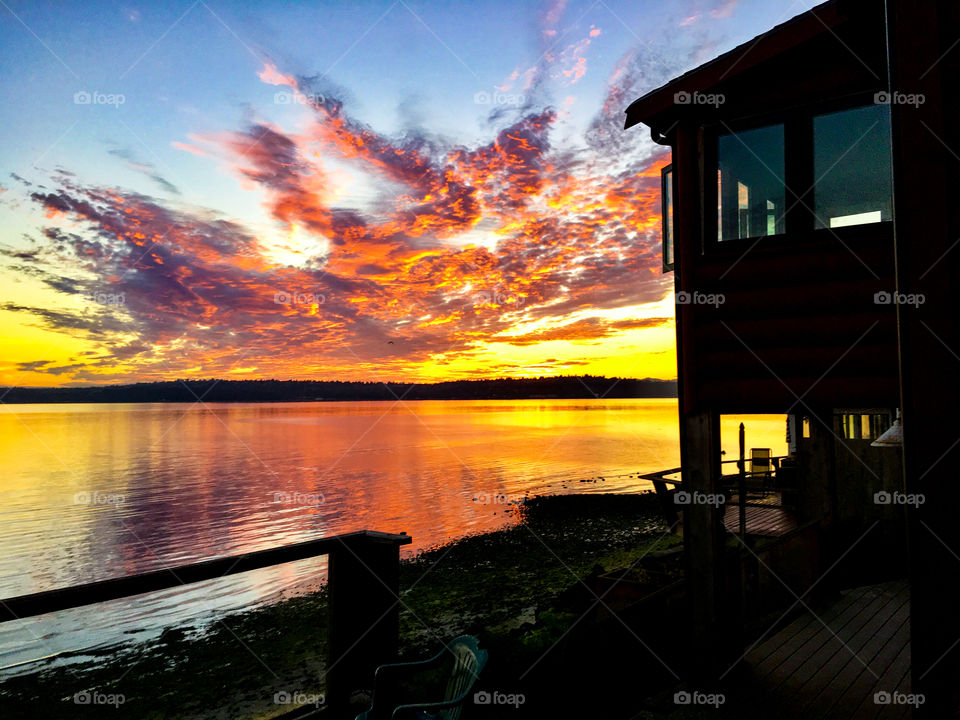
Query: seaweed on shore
(496, 582)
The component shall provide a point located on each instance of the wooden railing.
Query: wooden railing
(673, 476)
(364, 609)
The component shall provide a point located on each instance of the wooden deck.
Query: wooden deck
(764, 517)
(832, 664)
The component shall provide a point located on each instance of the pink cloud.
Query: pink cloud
(724, 9)
(272, 76)
(190, 149)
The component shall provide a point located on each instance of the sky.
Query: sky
(403, 191)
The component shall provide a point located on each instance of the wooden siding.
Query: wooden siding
(798, 319)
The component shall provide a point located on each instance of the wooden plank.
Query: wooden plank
(761, 656)
(835, 684)
(768, 677)
(895, 677)
(804, 672)
(791, 658)
(803, 659)
(787, 644)
(24, 606)
(860, 691)
(821, 672)
(763, 521)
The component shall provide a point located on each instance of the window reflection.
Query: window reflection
(751, 192)
(851, 166)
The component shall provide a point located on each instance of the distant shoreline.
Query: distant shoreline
(584, 387)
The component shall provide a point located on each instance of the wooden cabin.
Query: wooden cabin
(808, 225)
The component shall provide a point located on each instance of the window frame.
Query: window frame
(667, 176)
(711, 219)
(798, 159)
(827, 109)
(877, 420)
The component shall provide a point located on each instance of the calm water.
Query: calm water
(99, 491)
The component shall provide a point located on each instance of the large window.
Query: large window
(751, 191)
(810, 172)
(666, 198)
(851, 167)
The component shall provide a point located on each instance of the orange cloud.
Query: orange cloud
(588, 329)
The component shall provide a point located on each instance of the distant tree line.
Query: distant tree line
(212, 390)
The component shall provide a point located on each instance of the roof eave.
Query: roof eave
(800, 29)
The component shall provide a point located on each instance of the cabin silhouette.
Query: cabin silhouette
(809, 221)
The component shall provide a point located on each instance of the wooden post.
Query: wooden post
(926, 145)
(703, 530)
(703, 541)
(742, 483)
(364, 615)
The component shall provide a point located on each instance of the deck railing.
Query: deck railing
(363, 616)
(738, 480)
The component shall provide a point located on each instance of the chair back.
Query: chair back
(760, 460)
(469, 660)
